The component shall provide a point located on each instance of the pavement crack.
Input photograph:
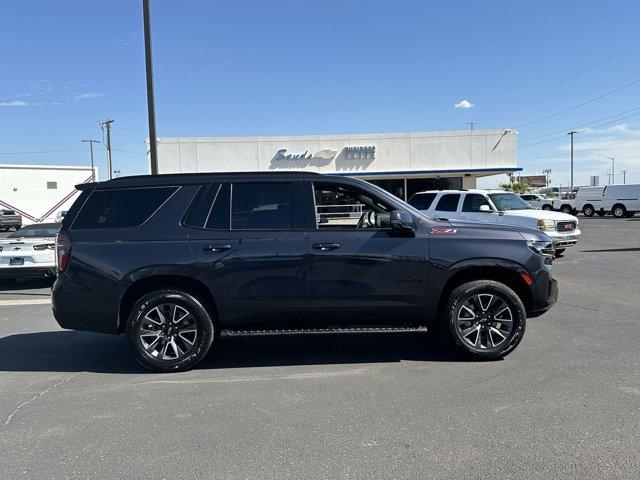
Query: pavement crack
(590, 309)
(41, 394)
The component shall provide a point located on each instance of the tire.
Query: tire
(588, 211)
(566, 209)
(163, 345)
(471, 327)
(546, 207)
(559, 252)
(619, 211)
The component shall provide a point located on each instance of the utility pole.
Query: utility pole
(571, 186)
(93, 170)
(624, 177)
(106, 126)
(613, 168)
(471, 124)
(151, 110)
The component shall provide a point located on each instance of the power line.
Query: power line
(39, 152)
(582, 125)
(580, 104)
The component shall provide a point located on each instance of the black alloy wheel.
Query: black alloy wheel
(485, 319)
(170, 330)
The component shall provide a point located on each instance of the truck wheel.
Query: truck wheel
(567, 209)
(484, 319)
(619, 211)
(588, 211)
(170, 330)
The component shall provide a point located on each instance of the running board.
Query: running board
(319, 331)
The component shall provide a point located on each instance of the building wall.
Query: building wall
(38, 192)
(427, 151)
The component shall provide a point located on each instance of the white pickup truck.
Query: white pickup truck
(500, 207)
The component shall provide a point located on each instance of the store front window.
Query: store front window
(395, 186)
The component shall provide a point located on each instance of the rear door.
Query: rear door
(248, 240)
(447, 206)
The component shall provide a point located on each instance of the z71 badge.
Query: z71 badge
(444, 231)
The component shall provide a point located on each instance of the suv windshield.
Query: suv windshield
(508, 201)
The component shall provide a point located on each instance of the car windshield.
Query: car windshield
(36, 231)
(508, 201)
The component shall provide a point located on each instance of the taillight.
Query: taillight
(63, 250)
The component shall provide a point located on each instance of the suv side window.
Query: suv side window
(121, 208)
(261, 206)
(339, 207)
(422, 201)
(210, 208)
(448, 202)
(473, 202)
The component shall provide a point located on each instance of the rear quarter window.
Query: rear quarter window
(422, 201)
(121, 208)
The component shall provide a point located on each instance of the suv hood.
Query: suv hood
(496, 230)
(541, 214)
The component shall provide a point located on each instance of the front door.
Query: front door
(476, 208)
(360, 272)
(248, 242)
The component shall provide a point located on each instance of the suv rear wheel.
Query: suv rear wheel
(484, 319)
(170, 330)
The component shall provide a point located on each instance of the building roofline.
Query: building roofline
(429, 172)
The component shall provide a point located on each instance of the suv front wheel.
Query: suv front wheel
(484, 319)
(170, 330)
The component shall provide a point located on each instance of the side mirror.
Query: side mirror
(401, 221)
(485, 208)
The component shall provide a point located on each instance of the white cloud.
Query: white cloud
(14, 103)
(464, 104)
(84, 96)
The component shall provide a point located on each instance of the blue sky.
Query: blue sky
(306, 67)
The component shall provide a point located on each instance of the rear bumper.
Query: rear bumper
(28, 271)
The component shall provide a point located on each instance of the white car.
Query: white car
(536, 200)
(29, 252)
(500, 207)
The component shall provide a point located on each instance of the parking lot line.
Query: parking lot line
(30, 301)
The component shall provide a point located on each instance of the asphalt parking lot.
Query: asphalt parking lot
(565, 404)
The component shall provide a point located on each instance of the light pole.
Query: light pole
(151, 109)
(91, 142)
(571, 133)
(613, 168)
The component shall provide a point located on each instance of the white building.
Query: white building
(39, 192)
(402, 163)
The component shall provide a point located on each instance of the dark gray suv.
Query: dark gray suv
(179, 262)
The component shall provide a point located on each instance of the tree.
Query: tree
(546, 191)
(515, 187)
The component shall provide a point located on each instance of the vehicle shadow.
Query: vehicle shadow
(26, 284)
(71, 351)
(626, 249)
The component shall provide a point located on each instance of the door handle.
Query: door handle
(216, 247)
(325, 247)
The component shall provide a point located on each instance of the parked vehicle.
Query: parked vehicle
(588, 200)
(498, 207)
(60, 216)
(29, 252)
(621, 200)
(176, 261)
(536, 200)
(9, 219)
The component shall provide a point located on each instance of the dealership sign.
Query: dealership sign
(355, 153)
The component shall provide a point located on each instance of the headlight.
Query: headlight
(546, 225)
(541, 247)
(48, 246)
